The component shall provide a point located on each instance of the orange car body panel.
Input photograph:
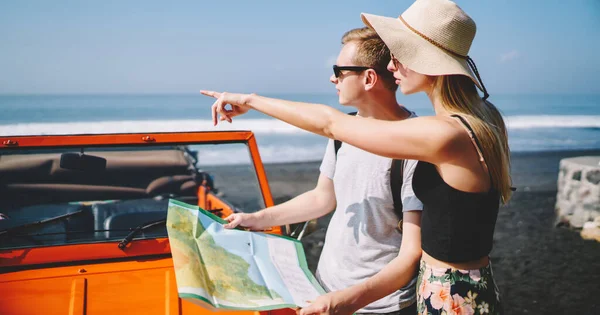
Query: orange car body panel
(100, 278)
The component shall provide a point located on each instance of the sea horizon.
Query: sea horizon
(536, 122)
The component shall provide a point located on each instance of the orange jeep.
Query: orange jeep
(82, 217)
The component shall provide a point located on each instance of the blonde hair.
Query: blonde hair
(371, 52)
(459, 96)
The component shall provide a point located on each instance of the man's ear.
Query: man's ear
(371, 78)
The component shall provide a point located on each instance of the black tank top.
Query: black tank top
(456, 226)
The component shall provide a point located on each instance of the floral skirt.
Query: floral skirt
(455, 291)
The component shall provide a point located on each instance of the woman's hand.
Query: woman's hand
(246, 220)
(332, 303)
(238, 102)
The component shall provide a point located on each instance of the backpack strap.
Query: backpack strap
(337, 144)
(396, 181)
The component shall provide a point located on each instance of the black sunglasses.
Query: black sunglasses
(395, 61)
(337, 69)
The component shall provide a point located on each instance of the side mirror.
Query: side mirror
(82, 162)
(304, 229)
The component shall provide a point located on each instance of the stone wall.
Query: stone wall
(578, 197)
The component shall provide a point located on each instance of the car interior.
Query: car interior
(92, 195)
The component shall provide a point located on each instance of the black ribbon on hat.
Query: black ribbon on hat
(474, 68)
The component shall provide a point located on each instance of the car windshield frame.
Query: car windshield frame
(13, 144)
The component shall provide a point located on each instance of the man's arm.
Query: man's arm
(310, 205)
(400, 271)
(307, 206)
(395, 275)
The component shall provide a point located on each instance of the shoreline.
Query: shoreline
(530, 171)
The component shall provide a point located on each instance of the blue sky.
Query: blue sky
(53, 47)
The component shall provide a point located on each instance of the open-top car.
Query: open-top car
(82, 227)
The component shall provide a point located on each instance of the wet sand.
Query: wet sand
(539, 268)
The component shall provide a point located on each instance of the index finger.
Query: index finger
(210, 93)
(230, 217)
(233, 222)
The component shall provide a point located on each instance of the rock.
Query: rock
(591, 230)
(578, 196)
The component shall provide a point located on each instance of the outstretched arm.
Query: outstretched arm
(428, 139)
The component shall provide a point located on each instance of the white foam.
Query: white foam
(258, 126)
(270, 153)
(552, 121)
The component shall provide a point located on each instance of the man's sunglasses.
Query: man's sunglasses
(337, 69)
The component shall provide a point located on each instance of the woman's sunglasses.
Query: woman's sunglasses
(337, 69)
(395, 61)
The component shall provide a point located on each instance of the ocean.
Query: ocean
(535, 122)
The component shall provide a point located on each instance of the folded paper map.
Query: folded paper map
(232, 269)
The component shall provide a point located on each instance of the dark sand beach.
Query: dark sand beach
(539, 268)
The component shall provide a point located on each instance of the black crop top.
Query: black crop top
(456, 226)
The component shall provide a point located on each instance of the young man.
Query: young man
(363, 235)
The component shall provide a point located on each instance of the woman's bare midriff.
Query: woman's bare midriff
(474, 264)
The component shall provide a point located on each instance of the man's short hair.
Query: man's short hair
(371, 52)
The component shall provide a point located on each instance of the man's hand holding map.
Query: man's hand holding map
(222, 268)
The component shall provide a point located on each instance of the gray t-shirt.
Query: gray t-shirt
(362, 237)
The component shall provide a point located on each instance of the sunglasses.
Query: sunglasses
(395, 61)
(337, 69)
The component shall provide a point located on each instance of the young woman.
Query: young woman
(464, 167)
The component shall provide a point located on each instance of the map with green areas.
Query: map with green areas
(235, 269)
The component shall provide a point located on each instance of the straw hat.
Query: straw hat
(431, 37)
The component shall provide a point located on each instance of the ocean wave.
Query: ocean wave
(258, 126)
(553, 121)
(270, 153)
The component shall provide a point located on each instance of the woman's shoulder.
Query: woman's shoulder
(442, 133)
(444, 127)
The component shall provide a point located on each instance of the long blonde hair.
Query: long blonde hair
(459, 96)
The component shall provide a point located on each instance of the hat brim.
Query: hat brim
(416, 52)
